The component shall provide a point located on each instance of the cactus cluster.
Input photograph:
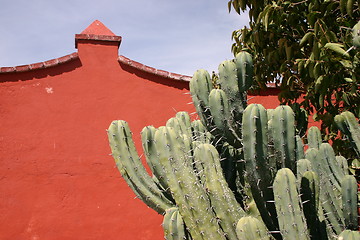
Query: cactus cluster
(241, 171)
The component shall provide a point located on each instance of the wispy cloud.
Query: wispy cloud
(178, 36)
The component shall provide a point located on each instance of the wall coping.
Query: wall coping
(40, 65)
(73, 56)
(155, 71)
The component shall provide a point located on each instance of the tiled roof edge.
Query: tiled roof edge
(40, 65)
(144, 68)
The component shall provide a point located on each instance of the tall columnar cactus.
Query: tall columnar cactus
(240, 172)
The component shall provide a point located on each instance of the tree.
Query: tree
(305, 48)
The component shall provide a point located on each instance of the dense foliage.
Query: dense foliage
(306, 48)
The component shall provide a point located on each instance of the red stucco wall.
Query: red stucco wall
(57, 180)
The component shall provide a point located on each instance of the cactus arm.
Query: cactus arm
(302, 166)
(244, 66)
(284, 137)
(342, 162)
(229, 84)
(173, 225)
(228, 211)
(252, 228)
(190, 196)
(299, 153)
(272, 157)
(328, 163)
(314, 137)
(292, 222)
(151, 155)
(200, 87)
(331, 204)
(185, 123)
(131, 168)
(221, 112)
(349, 202)
(199, 132)
(348, 124)
(167, 222)
(257, 170)
(181, 123)
(330, 189)
(309, 191)
(349, 235)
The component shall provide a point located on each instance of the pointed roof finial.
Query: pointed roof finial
(97, 31)
(97, 28)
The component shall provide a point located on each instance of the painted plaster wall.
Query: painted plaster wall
(57, 180)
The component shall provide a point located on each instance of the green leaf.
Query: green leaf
(337, 48)
(346, 63)
(306, 38)
(318, 83)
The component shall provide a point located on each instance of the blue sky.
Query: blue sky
(177, 36)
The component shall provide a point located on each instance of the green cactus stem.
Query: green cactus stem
(228, 81)
(228, 211)
(130, 166)
(342, 162)
(221, 112)
(314, 137)
(200, 87)
(350, 202)
(283, 128)
(299, 153)
(310, 191)
(249, 228)
(348, 125)
(244, 65)
(258, 173)
(173, 225)
(292, 221)
(329, 172)
(349, 235)
(151, 154)
(302, 166)
(190, 196)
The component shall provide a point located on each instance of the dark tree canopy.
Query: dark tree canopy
(307, 49)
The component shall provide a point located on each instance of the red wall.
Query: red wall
(57, 180)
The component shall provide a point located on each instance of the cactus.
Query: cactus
(258, 172)
(132, 170)
(173, 225)
(283, 127)
(251, 228)
(240, 172)
(349, 202)
(292, 222)
(349, 235)
(314, 137)
(310, 191)
(349, 126)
